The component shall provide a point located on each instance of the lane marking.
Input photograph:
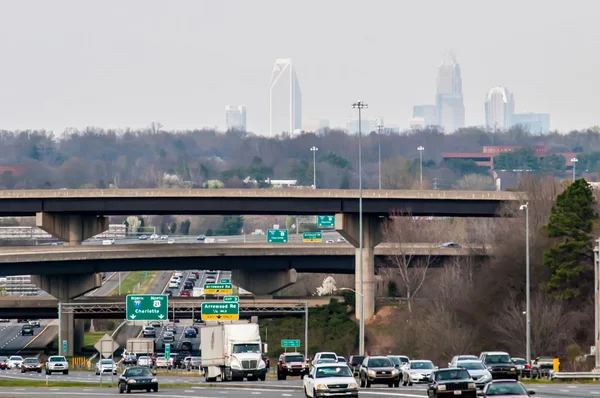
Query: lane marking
(34, 338)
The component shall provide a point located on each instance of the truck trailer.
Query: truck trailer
(232, 351)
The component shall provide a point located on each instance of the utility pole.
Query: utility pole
(379, 130)
(435, 183)
(421, 149)
(314, 150)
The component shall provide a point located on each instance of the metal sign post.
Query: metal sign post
(597, 303)
(306, 330)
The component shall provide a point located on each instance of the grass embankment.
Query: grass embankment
(91, 338)
(130, 283)
(329, 329)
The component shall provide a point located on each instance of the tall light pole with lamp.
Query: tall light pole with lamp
(421, 149)
(314, 150)
(574, 161)
(360, 106)
(361, 336)
(528, 286)
(379, 130)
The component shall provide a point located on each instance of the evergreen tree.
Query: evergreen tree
(232, 225)
(570, 260)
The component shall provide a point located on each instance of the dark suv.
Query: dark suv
(500, 365)
(291, 364)
(451, 382)
(354, 363)
(378, 370)
(27, 330)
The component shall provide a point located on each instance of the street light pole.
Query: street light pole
(360, 106)
(314, 150)
(528, 285)
(574, 161)
(421, 149)
(379, 130)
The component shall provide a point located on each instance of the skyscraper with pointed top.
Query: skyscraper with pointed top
(449, 98)
(285, 99)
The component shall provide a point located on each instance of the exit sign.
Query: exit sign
(277, 236)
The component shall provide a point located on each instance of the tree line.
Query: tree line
(147, 158)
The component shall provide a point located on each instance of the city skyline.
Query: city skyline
(126, 76)
(285, 99)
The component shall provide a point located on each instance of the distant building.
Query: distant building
(285, 99)
(315, 125)
(534, 123)
(235, 117)
(426, 113)
(366, 125)
(449, 99)
(499, 109)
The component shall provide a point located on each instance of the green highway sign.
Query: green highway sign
(277, 236)
(167, 351)
(290, 343)
(231, 299)
(64, 347)
(223, 280)
(220, 311)
(147, 307)
(312, 237)
(218, 288)
(325, 221)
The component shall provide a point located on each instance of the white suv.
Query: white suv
(57, 364)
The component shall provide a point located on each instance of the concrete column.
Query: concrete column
(348, 226)
(262, 284)
(71, 228)
(67, 287)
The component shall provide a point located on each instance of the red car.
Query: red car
(185, 293)
(3, 361)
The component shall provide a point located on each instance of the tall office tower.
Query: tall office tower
(499, 109)
(534, 123)
(235, 117)
(285, 99)
(449, 99)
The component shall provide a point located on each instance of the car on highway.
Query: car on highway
(210, 279)
(5, 320)
(171, 241)
(137, 378)
(325, 355)
(130, 359)
(186, 345)
(480, 374)
(173, 285)
(378, 370)
(168, 338)
(184, 293)
(523, 368)
(34, 322)
(27, 330)
(3, 363)
(156, 324)
(154, 236)
(106, 366)
(149, 331)
(143, 237)
(354, 363)
(329, 380)
(31, 365)
(169, 292)
(171, 328)
(341, 240)
(417, 371)
(464, 357)
(451, 382)
(196, 274)
(506, 389)
(323, 360)
(164, 237)
(22, 321)
(190, 332)
(329, 241)
(400, 361)
(144, 361)
(189, 285)
(499, 364)
(56, 364)
(291, 364)
(14, 361)
(178, 274)
(194, 363)
(201, 237)
(453, 245)
(342, 360)
(163, 363)
(541, 366)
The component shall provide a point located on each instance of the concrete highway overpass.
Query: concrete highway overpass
(258, 256)
(114, 307)
(106, 202)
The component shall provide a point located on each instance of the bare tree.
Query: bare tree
(412, 269)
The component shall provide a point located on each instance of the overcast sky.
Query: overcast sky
(126, 63)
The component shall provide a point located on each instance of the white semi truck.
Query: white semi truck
(232, 351)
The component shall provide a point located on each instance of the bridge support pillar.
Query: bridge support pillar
(71, 228)
(69, 286)
(72, 332)
(259, 285)
(348, 226)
